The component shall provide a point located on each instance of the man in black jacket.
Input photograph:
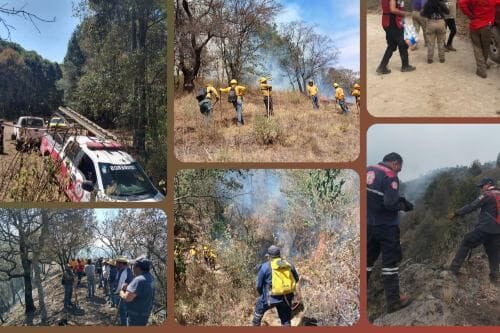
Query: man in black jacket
(486, 231)
(384, 205)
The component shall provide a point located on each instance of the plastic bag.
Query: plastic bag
(410, 34)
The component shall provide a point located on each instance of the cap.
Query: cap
(273, 251)
(486, 181)
(143, 263)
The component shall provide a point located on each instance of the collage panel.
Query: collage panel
(83, 267)
(433, 58)
(270, 247)
(83, 101)
(433, 218)
(267, 81)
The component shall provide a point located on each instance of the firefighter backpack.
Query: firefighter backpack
(282, 279)
(201, 94)
(231, 97)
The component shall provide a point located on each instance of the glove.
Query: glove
(452, 216)
(405, 205)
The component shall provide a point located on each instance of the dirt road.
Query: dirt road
(441, 90)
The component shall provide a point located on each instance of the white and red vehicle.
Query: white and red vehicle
(28, 130)
(97, 169)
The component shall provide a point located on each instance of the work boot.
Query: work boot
(450, 48)
(481, 73)
(408, 68)
(495, 278)
(442, 60)
(394, 300)
(459, 259)
(430, 61)
(383, 70)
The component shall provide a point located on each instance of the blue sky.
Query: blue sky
(52, 41)
(339, 19)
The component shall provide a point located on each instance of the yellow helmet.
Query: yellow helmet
(233, 81)
(208, 85)
(262, 80)
(335, 85)
(205, 247)
(357, 86)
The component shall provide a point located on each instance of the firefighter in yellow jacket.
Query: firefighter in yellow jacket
(235, 96)
(265, 90)
(356, 92)
(313, 91)
(340, 97)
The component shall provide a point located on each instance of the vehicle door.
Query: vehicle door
(71, 178)
(86, 178)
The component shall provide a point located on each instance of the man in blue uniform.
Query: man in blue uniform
(486, 231)
(384, 205)
(267, 301)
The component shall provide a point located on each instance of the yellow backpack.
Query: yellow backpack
(282, 279)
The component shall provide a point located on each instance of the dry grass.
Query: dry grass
(296, 133)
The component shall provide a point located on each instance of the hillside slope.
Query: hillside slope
(296, 133)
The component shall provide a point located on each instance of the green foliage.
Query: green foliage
(29, 83)
(268, 131)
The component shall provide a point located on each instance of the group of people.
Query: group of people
(209, 96)
(384, 204)
(433, 17)
(127, 286)
(209, 255)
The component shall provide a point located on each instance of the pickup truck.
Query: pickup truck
(93, 169)
(495, 36)
(28, 131)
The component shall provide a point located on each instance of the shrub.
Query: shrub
(268, 131)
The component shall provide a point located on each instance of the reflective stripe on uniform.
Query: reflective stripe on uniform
(369, 269)
(375, 192)
(390, 270)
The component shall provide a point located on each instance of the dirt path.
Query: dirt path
(441, 90)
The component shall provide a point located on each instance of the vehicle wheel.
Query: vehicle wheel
(495, 44)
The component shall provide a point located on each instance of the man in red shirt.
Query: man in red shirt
(482, 16)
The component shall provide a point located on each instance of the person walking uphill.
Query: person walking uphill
(486, 231)
(451, 23)
(139, 294)
(313, 91)
(434, 12)
(265, 90)
(340, 97)
(276, 283)
(235, 96)
(384, 205)
(482, 16)
(392, 22)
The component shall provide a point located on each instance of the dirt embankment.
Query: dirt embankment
(440, 90)
(296, 133)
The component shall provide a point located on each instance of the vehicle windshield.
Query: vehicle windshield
(125, 180)
(57, 121)
(32, 122)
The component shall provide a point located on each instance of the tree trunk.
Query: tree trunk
(28, 288)
(37, 269)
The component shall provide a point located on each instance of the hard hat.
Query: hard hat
(262, 79)
(335, 85)
(357, 86)
(233, 81)
(208, 84)
(486, 181)
(205, 247)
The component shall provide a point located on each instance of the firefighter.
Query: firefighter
(206, 97)
(235, 96)
(482, 16)
(392, 22)
(384, 205)
(265, 90)
(340, 97)
(486, 231)
(281, 294)
(356, 92)
(193, 252)
(313, 91)
(212, 257)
